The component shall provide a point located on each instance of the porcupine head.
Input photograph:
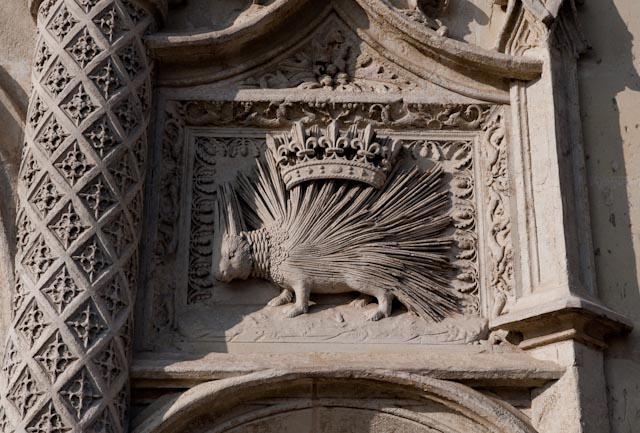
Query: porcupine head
(233, 259)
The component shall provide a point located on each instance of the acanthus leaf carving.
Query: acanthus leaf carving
(334, 59)
(280, 114)
(500, 247)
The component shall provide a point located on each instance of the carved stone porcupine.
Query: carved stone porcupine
(337, 236)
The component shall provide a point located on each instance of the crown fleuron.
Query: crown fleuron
(312, 154)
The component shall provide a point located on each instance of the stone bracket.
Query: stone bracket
(570, 318)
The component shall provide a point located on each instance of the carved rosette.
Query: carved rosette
(80, 205)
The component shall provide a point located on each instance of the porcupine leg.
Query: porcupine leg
(302, 302)
(361, 301)
(285, 297)
(385, 301)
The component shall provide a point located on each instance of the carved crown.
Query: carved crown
(312, 154)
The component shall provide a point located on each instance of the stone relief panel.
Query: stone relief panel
(207, 145)
(334, 58)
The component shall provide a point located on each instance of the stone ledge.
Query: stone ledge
(567, 318)
(505, 369)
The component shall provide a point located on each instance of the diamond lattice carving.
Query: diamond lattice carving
(25, 392)
(19, 293)
(97, 196)
(127, 113)
(37, 112)
(48, 420)
(57, 79)
(113, 294)
(87, 5)
(33, 323)
(46, 196)
(11, 360)
(43, 54)
(81, 393)
(103, 424)
(55, 356)
(31, 169)
(73, 164)
(72, 215)
(93, 259)
(79, 106)
(62, 290)
(24, 229)
(107, 79)
(110, 23)
(136, 13)
(84, 48)
(51, 136)
(109, 362)
(5, 425)
(121, 170)
(68, 226)
(87, 324)
(61, 25)
(118, 232)
(102, 137)
(39, 259)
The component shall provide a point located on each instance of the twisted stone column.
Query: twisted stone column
(66, 366)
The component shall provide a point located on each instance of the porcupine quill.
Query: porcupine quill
(336, 236)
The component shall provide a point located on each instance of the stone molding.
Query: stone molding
(80, 194)
(192, 407)
(470, 70)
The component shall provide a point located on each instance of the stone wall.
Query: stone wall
(610, 103)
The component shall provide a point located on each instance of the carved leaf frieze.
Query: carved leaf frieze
(500, 246)
(283, 114)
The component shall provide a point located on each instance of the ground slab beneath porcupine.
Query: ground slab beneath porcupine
(332, 324)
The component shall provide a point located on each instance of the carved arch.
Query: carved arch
(206, 407)
(217, 56)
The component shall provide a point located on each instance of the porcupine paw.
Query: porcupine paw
(360, 302)
(296, 310)
(375, 315)
(285, 297)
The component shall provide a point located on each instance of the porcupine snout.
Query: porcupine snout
(221, 276)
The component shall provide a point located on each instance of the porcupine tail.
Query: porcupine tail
(393, 238)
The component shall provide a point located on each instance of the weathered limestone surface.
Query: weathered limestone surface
(78, 220)
(489, 90)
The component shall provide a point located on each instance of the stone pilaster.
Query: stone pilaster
(66, 367)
